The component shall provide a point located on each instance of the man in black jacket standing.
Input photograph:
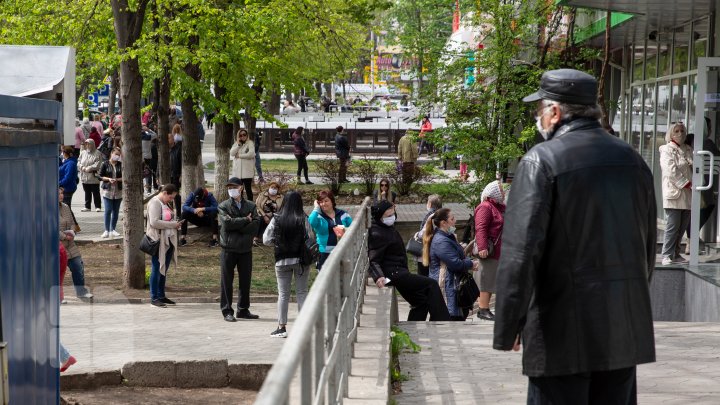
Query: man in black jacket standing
(239, 223)
(342, 151)
(578, 254)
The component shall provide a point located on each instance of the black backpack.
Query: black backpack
(469, 231)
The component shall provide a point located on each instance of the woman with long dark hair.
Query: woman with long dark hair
(301, 151)
(287, 232)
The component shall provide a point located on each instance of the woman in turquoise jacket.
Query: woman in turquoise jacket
(328, 223)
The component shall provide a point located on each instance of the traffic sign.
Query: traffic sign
(106, 80)
(105, 91)
(93, 100)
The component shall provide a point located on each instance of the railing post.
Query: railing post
(319, 353)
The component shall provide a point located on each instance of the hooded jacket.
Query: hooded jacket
(578, 252)
(68, 175)
(89, 164)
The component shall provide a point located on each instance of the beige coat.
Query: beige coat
(164, 231)
(407, 150)
(243, 160)
(676, 166)
(89, 164)
(67, 223)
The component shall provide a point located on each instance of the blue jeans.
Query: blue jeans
(64, 354)
(77, 269)
(157, 280)
(112, 211)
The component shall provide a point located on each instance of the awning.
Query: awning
(30, 70)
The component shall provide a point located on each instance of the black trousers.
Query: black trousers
(423, 270)
(228, 262)
(302, 165)
(247, 185)
(615, 387)
(424, 296)
(92, 192)
(342, 175)
(209, 220)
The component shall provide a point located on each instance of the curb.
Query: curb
(260, 299)
(172, 374)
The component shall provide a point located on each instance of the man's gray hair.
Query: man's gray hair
(435, 201)
(571, 111)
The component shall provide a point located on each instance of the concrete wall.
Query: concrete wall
(29, 268)
(701, 299)
(680, 295)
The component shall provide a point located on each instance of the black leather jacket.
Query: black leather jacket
(578, 253)
(386, 251)
(236, 231)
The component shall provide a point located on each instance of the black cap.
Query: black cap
(568, 86)
(234, 181)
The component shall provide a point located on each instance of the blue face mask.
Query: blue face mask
(451, 230)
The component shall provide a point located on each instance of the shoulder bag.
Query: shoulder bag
(310, 251)
(149, 246)
(466, 290)
(414, 246)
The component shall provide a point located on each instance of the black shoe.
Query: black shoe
(158, 303)
(167, 301)
(484, 313)
(279, 332)
(308, 182)
(229, 318)
(246, 314)
(213, 243)
(183, 242)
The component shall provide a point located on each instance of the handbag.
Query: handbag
(149, 246)
(466, 290)
(310, 251)
(414, 246)
(471, 249)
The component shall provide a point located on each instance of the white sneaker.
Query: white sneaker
(666, 261)
(105, 234)
(97, 209)
(86, 295)
(85, 210)
(114, 234)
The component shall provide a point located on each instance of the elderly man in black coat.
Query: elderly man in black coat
(578, 253)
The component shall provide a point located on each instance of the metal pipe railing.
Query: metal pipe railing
(321, 342)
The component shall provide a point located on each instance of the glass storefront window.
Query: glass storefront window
(638, 59)
(650, 61)
(636, 117)
(678, 101)
(663, 106)
(664, 60)
(682, 51)
(700, 41)
(691, 105)
(648, 123)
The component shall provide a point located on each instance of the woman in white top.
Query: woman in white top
(243, 156)
(162, 226)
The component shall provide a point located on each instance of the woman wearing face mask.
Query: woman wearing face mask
(488, 230)
(434, 203)
(676, 166)
(268, 204)
(111, 176)
(446, 259)
(162, 226)
(243, 155)
(389, 267)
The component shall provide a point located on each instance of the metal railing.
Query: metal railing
(321, 341)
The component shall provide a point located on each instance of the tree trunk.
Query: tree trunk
(164, 130)
(128, 26)
(114, 84)
(603, 74)
(190, 147)
(274, 105)
(223, 142)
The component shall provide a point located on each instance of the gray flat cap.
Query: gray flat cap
(567, 86)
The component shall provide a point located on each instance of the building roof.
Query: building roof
(29, 70)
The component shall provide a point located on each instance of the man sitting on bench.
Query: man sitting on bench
(200, 209)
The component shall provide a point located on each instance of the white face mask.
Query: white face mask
(115, 158)
(451, 230)
(389, 221)
(177, 138)
(234, 192)
(272, 191)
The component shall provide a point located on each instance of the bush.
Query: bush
(368, 169)
(329, 171)
(403, 180)
(282, 177)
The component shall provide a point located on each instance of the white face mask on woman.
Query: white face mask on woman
(272, 191)
(115, 158)
(389, 221)
(234, 193)
(177, 138)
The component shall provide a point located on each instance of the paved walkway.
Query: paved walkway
(457, 365)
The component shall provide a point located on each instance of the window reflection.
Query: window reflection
(648, 126)
(636, 117)
(700, 40)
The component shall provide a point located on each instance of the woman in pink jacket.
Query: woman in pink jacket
(489, 219)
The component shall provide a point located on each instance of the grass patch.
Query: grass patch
(400, 342)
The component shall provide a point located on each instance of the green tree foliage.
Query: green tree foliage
(421, 28)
